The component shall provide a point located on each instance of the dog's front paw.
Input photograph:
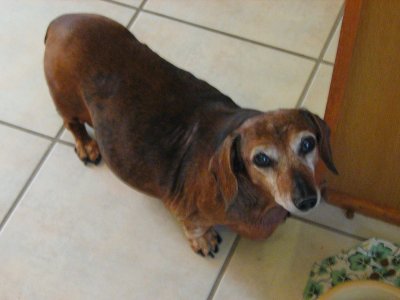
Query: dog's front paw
(205, 244)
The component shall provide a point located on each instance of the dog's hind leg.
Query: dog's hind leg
(73, 110)
(75, 114)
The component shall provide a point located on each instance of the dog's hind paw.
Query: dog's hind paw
(88, 152)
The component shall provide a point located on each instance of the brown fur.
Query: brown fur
(169, 134)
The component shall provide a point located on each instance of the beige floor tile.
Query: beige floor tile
(67, 136)
(317, 95)
(24, 98)
(19, 154)
(135, 3)
(252, 75)
(296, 25)
(80, 233)
(278, 268)
(330, 54)
(360, 225)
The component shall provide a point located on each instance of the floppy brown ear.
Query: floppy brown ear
(322, 133)
(223, 168)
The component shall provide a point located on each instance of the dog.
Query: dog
(173, 136)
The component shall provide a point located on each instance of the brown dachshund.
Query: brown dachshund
(175, 137)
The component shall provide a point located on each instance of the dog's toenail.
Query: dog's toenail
(97, 160)
(199, 252)
(216, 249)
(210, 254)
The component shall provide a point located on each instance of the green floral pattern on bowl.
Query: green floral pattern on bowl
(374, 259)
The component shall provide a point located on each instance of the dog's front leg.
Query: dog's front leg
(203, 239)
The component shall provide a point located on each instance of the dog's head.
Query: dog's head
(265, 168)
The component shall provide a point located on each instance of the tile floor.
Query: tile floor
(74, 232)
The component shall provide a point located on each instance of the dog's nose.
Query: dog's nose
(306, 204)
(304, 194)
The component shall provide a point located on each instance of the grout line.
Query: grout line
(331, 229)
(327, 63)
(120, 4)
(223, 268)
(27, 130)
(38, 134)
(65, 143)
(135, 15)
(311, 77)
(29, 181)
(304, 56)
(306, 87)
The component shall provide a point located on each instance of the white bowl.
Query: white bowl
(362, 290)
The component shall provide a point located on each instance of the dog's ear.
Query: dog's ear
(224, 165)
(322, 133)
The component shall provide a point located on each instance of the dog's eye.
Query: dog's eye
(307, 145)
(262, 160)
